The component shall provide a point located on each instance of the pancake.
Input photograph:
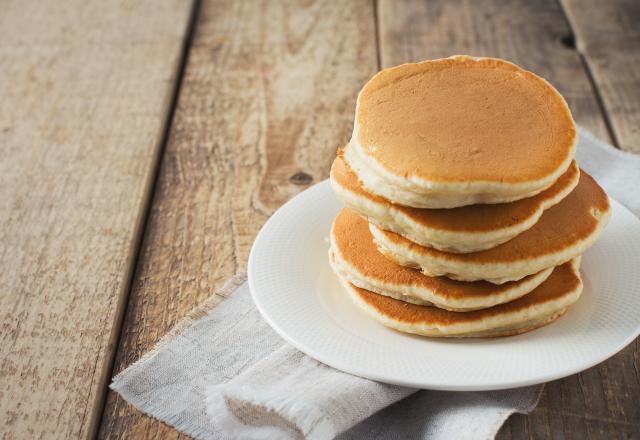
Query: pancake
(563, 232)
(459, 131)
(536, 309)
(354, 257)
(459, 230)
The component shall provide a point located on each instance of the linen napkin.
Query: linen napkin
(224, 373)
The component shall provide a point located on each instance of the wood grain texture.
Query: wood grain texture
(268, 94)
(607, 34)
(84, 93)
(527, 33)
(602, 401)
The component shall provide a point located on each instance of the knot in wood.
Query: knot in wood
(301, 178)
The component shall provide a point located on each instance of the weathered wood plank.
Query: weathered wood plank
(527, 33)
(607, 34)
(85, 90)
(601, 402)
(267, 96)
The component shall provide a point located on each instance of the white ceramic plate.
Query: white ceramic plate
(298, 294)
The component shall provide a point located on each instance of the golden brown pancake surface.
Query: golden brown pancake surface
(470, 218)
(353, 240)
(563, 280)
(464, 119)
(560, 227)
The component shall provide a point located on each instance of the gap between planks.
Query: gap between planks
(376, 30)
(142, 223)
(594, 86)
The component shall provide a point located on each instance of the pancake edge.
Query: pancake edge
(441, 195)
(517, 322)
(387, 216)
(497, 273)
(425, 297)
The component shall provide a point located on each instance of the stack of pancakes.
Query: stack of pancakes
(466, 213)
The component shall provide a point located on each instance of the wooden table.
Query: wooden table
(143, 144)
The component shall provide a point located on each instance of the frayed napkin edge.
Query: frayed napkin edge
(194, 315)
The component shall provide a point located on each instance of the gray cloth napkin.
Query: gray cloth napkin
(224, 373)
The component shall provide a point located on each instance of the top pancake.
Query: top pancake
(460, 230)
(458, 131)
